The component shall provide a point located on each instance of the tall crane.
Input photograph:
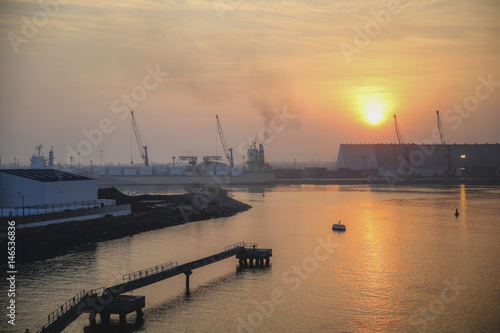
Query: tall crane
(227, 151)
(442, 136)
(440, 129)
(143, 149)
(398, 133)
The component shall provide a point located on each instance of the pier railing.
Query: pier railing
(69, 304)
(55, 208)
(149, 271)
(235, 245)
(241, 244)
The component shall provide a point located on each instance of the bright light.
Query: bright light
(374, 111)
(372, 103)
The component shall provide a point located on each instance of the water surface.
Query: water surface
(405, 264)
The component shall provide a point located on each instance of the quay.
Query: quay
(107, 301)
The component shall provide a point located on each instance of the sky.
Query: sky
(301, 77)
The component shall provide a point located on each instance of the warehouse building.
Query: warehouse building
(41, 187)
(412, 160)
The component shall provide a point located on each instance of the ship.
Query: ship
(210, 171)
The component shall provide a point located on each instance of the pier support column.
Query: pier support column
(92, 319)
(188, 273)
(267, 262)
(105, 318)
(123, 318)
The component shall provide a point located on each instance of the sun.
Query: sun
(374, 111)
(373, 104)
(374, 116)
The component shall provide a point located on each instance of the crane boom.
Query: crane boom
(143, 149)
(227, 151)
(398, 132)
(440, 129)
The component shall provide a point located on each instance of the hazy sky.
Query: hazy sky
(301, 75)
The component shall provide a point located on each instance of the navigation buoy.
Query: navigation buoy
(456, 212)
(338, 227)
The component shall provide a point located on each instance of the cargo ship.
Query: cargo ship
(210, 171)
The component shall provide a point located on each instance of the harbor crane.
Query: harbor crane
(191, 159)
(398, 132)
(442, 136)
(440, 129)
(143, 149)
(208, 159)
(227, 151)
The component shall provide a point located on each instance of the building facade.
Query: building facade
(39, 187)
(412, 160)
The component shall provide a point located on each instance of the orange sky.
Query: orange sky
(69, 69)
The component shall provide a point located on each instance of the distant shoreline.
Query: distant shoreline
(391, 181)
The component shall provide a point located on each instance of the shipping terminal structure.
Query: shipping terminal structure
(410, 160)
(184, 169)
(420, 160)
(209, 171)
(372, 162)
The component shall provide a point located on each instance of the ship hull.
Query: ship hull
(221, 180)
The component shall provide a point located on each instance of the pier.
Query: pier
(107, 301)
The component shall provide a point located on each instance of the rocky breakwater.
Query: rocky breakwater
(149, 212)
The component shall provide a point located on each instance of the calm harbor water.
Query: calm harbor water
(405, 264)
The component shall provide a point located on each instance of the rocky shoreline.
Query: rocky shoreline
(149, 212)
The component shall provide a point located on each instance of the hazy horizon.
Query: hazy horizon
(302, 77)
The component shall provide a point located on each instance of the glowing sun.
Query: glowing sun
(374, 112)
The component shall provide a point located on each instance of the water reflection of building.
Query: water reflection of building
(460, 160)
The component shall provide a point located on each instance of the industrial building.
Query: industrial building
(425, 160)
(41, 187)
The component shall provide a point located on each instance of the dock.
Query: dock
(108, 301)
